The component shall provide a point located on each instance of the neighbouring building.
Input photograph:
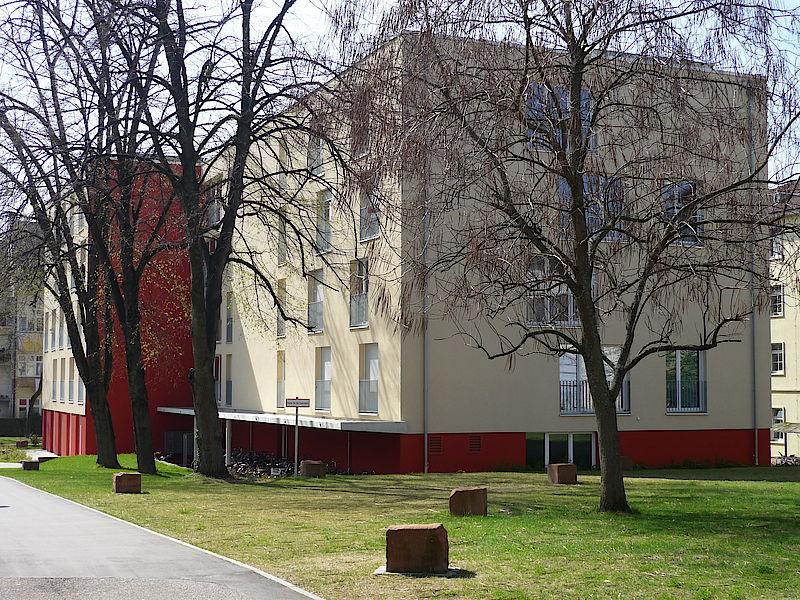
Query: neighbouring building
(785, 328)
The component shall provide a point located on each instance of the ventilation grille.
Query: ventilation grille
(474, 444)
(435, 444)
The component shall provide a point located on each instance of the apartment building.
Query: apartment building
(393, 387)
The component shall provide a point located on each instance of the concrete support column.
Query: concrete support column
(228, 436)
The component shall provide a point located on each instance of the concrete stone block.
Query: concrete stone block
(468, 501)
(30, 465)
(127, 483)
(312, 468)
(417, 549)
(562, 473)
(21, 443)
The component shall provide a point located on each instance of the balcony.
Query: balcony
(315, 317)
(358, 310)
(575, 399)
(280, 394)
(322, 394)
(368, 396)
(686, 396)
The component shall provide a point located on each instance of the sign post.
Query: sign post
(297, 404)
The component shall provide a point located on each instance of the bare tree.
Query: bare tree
(582, 167)
(227, 90)
(74, 130)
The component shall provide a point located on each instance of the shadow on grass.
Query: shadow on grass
(776, 474)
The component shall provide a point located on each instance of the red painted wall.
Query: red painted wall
(660, 448)
(166, 339)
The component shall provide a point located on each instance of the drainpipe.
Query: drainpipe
(751, 160)
(425, 341)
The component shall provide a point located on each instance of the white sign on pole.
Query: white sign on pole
(298, 402)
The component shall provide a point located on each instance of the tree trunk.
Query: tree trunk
(137, 389)
(612, 486)
(211, 458)
(97, 400)
(29, 415)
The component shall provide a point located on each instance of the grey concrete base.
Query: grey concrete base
(451, 572)
(63, 545)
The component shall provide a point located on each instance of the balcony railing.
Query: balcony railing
(369, 226)
(323, 236)
(358, 310)
(322, 394)
(575, 399)
(686, 396)
(368, 396)
(315, 318)
(280, 394)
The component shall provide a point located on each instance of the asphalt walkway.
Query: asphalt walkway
(55, 549)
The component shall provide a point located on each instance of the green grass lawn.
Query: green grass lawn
(699, 534)
(8, 451)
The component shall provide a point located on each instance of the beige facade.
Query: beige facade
(428, 380)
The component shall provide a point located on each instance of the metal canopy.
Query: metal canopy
(786, 427)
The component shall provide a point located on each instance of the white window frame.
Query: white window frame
(778, 351)
(778, 416)
(776, 301)
(701, 385)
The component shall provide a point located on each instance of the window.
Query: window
(778, 416)
(684, 217)
(46, 328)
(280, 392)
(281, 293)
(359, 287)
(314, 154)
(54, 379)
(574, 396)
(217, 379)
(323, 237)
(778, 360)
(283, 164)
(229, 380)
(63, 373)
(368, 380)
(686, 381)
(550, 302)
(322, 386)
(71, 385)
(360, 116)
(229, 317)
(61, 330)
(603, 205)
(81, 390)
(549, 118)
(776, 301)
(776, 246)
(282, 249)
(53, 330)
(316, 320)
(369, 216)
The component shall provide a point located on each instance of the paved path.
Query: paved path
(54, 549)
